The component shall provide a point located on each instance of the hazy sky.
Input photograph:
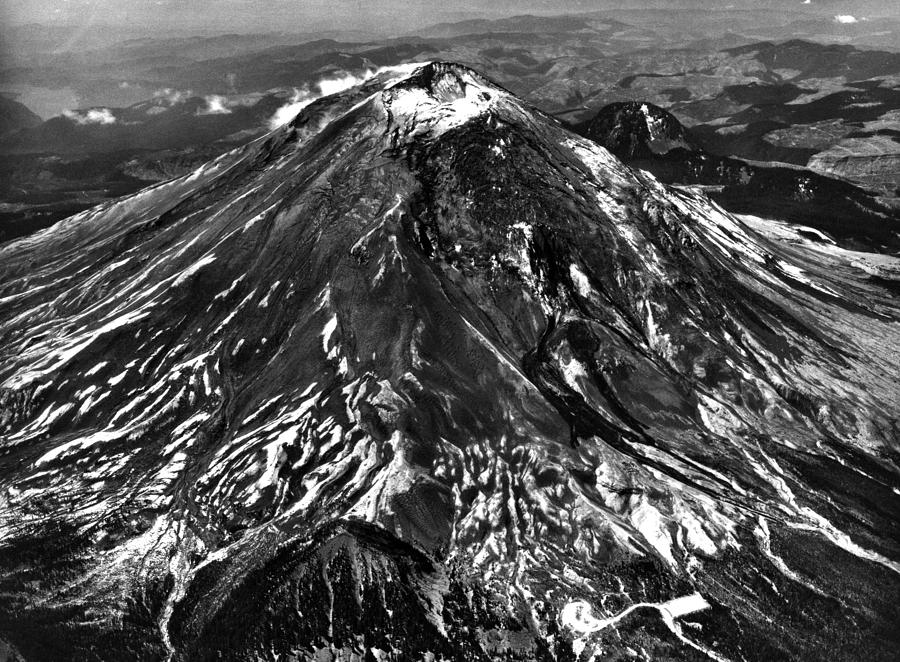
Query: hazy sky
(243, 15)
(312, 15)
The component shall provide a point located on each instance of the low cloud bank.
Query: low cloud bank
(92, 116)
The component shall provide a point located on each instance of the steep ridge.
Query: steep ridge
(423, 373)
(651, 138)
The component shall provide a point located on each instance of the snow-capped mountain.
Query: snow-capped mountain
(423, 375)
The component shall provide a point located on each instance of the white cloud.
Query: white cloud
(328, 86)
(304, 96)
(215, 105)
(92, 116)
(287, 112)
(845, 18)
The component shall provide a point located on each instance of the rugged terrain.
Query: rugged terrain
(648, 137)
(749, 82)
(422, 375)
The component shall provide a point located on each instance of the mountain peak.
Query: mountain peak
(441, 95)
(634, 130)
(392, 358)
(423, 99)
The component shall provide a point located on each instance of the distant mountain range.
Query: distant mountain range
(834, 109)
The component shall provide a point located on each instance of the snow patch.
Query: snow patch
(328, 331)
(578, 616)
(417, 107)
(580, 279)
(194, 268)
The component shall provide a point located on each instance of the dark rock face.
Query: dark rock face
(423, 375)
(633, 130)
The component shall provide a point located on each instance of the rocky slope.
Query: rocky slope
(424, 375)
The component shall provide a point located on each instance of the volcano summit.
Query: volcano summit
(422, 375)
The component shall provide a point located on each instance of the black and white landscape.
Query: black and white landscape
(552, 333)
